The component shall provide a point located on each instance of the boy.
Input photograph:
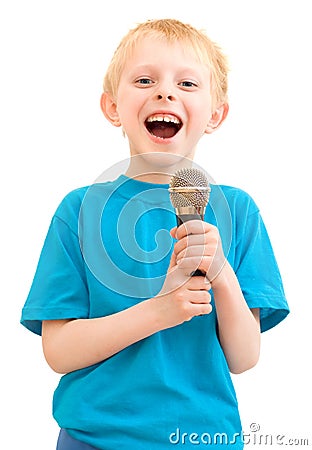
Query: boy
(146, 349)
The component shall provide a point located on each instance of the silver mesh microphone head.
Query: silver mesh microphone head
(189, 187)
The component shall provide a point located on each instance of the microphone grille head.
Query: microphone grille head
(189, 187)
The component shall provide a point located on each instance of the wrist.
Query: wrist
(154, 308)
(223, 277)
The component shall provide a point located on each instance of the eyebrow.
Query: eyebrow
(151, 67)
(142, 67)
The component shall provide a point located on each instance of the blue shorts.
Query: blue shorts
(66, 442)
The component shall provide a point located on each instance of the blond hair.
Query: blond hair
(171, 30)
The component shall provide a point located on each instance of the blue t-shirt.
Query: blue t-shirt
(108, 247)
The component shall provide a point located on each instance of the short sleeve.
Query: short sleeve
(59, 289)
(258, 272)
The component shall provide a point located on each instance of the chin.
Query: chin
(162, 162)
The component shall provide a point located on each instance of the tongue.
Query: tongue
(164, 131)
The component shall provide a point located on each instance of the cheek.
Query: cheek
(125, 115)
(199, 123)
(200, 112)
(128, 110)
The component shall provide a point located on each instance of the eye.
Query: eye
(188, 84)
(142, 82)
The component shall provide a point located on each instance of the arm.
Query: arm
(199, 245)
(74, 344)
(239, 327)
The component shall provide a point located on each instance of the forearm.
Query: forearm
(239, 330)
(74, 344)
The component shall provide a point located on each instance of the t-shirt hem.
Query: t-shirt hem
(32, 318)
(271, 312)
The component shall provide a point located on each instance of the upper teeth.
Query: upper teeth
(163, 118)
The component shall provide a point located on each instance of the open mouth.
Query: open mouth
(164, 126)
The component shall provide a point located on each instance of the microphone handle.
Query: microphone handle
(182, 218)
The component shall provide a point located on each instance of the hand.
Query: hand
(182, 297)
(199, 247)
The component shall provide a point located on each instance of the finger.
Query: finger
(201, 304)
(192, 251)
(191, 240)
(202, 309)
(198, 283)
(173, 232)
(199, 297)
(193, 261)
(173, 261)
(192, 227)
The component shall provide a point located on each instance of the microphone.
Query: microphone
(189, 194)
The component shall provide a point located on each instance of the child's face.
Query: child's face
(164, 99)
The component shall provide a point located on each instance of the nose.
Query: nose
(165, 97)
(164, 91)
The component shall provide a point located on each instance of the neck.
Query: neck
(156, 167)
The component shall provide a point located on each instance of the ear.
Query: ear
(109, 108)
(218, 116)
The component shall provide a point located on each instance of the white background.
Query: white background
(54, 138)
